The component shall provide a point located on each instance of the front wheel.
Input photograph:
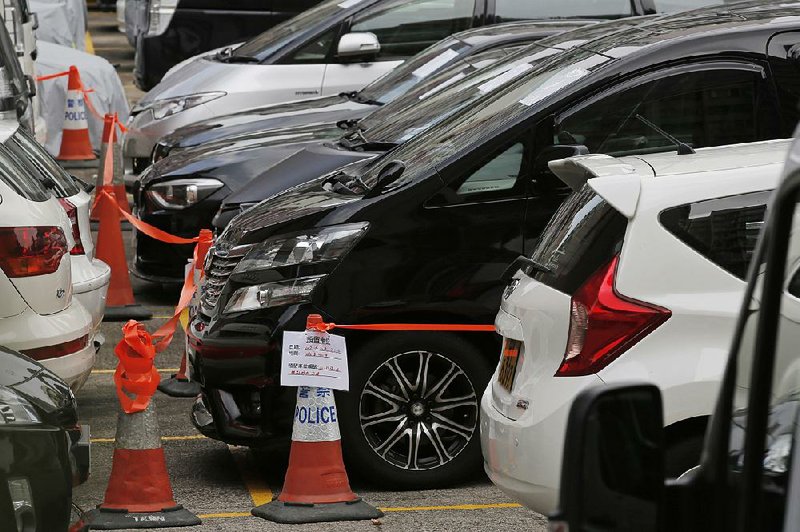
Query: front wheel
(411, 417)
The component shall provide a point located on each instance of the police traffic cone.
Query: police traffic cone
(75, 142)
(120, 304)
(316, 488)
(111, 141)
(139, 493)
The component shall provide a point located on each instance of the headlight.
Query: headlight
(15, 410)
(327, 244)
(164, 108)
(161, 12)
(181, 193)
(272, 294)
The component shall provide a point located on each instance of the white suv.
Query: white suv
(638, 276)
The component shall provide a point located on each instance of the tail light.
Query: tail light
(605, 324)
(72, 213)
(30, 251)
(59, 350)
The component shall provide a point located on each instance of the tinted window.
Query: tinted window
(584, 234)
(408, 27)
(508, 10)
(702, 108)
(19, 178)
(315, 51)
(41, 165)
(672, 6)
(497, 175)
(724, 231)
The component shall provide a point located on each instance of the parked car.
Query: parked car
(45, 450)
(651, 253)
(231, 164)
(17, 90)
(748, 477)
(424, 233)
(459, 49)
(63, 22)
(165, 32)
(334, 47)
(90, 276)
(39, 316)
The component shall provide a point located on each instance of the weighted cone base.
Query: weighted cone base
(127, 312)
(105, 519)
(297, 513)
(176, 387)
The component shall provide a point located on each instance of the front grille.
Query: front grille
(218, 269)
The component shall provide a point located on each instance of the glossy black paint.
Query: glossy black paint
(40, 452)
(201, 25)
(426, 257)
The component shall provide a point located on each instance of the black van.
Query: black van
(425, 233)
(170, 31)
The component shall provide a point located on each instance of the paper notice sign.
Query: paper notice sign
(504, 78)
(556, 83)
(314, 358)
(349, 3)
(435, 64)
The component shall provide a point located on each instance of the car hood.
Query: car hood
(303, 166)
(47, 393)
(195, 77)
(236, 163)
(326, 110)
(296, 208)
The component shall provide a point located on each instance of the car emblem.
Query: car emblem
(60, 293)
(512, 285)
(221, 249)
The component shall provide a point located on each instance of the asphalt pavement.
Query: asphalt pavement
(222, 483)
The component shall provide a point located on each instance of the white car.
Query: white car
(638, 276)
(38, 315)
(90, 276)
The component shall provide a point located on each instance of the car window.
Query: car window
(42, 165)
(20, 179)
(723, 230)
(315, 51)
(408, 27)
(784, 398)
(673, 6)
(510, 10)
(499, 174)
(700, 108)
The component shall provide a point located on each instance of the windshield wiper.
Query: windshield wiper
(525, 264)
(682, 147)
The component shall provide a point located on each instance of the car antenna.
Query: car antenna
(683, 148)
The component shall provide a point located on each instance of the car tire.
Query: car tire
(382, 414)
(682, 455)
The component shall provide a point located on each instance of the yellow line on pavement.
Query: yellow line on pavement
(499, 505)
(258, 489)
(111, 371)
(163, 438)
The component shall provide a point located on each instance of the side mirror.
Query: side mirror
(612, 469)
(556, 152)
(390, 173)
(358, 45)
(35, 19)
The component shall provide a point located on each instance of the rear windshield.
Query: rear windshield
(13, 174)
(41, 165)
(584, 234)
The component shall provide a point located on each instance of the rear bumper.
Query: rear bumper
(90, 284)
(74, 368)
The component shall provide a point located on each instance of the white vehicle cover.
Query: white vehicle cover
(107, 96)
(61, 22)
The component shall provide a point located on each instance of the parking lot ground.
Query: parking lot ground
(221, 483)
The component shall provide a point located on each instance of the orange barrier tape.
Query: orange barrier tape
(406, 327)
(135, 373)
(86, 98)
(144, 227)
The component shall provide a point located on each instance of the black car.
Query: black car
(222, 167)
(253, 167)
(172, 31)
(426, 232)
(749, 476)
(44, 452)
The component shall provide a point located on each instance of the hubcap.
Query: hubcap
(418, 410)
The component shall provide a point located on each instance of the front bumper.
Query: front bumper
(523, 457)
(238, 365)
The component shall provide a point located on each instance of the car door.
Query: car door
(403, 28)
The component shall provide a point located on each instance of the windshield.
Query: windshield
(420, 68)
(295, 29)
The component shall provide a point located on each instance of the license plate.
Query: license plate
(508, 365)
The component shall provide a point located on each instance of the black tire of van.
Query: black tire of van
(390, 402)
(682, 455)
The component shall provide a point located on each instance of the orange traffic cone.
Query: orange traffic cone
(75, 142)
(110, 141)
(316, 488)
(120, 304)
(139, 493)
